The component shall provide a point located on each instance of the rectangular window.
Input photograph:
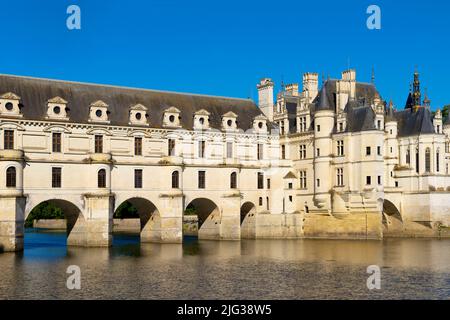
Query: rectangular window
(283, 151)
(8, 139)
(98, 144)
(379, 150)
(56, 142)
(260, 201)
(229, 150)
(368, 180)
(318, 152)
(138, 178)
(379, 124)
(302, 151)
(368, 151)
(56, 177)
(379, 180)
(318, 183)
(302, 179)
(290, 198)
(340, 147)
(396, 184)
(341, 126)
(340, 176)
(318, 128)
(201, 149)
(171, 147)
(201, 179)
(138, 146)
(267, 203)
(260, 151)
(268, 183)
(260, 180)
(290, 185)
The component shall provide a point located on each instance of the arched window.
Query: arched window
(102, 178)
(233, 180)
(427, 160)
(175, 179)
(11, 177)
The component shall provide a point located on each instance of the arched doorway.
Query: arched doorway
(248, 220)
(57, 216)
(208, 215)
(137, 216)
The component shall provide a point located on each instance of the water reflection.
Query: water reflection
(262, 269)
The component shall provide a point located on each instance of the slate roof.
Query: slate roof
(36, 92)
(413, 123)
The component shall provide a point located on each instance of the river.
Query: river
(249, 269)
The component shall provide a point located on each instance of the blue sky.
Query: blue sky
(224, 47)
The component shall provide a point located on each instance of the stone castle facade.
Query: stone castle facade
(331, 162)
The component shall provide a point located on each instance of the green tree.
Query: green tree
(126, 211)
(445, 111)
(45, 210)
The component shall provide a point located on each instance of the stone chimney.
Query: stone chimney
(265, 97)
(310, 86)
(292, 89)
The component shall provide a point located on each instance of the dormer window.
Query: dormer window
(57, 109)
(138, 115)
(229, 121)
(99, 112)
(201, 119)
(260, 123)
(171, 118)
(10, 105)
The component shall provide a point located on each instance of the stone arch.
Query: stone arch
(208, 213)
(76, 224)
(149, 217)
(246, 209)
(248, 220)
(392, 218)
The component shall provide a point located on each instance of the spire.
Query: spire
(390, 112)
(426, 100)
(373, 75)
(417, 101)
(324, 104)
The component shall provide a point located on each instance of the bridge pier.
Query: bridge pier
(12, 215)
(165, 225)
(94, 227)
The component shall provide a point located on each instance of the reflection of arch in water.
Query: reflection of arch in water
(149, 216)
(248, 220)
(208, 214)
(76, 224)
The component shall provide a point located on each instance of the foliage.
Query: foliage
(190, 210)
(126, 211)
(45, 210)
(445, 111)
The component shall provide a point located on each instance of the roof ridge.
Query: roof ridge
(123, 87)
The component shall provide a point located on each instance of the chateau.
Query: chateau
(334, 161)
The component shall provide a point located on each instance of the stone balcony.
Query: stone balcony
(11, 155)
(171, 160)
(105, 158)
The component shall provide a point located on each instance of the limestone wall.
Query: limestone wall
(348, 226)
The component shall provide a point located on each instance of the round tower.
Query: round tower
(323, 146)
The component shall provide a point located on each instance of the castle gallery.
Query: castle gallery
(330, 161)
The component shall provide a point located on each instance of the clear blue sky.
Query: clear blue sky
(223, 47)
